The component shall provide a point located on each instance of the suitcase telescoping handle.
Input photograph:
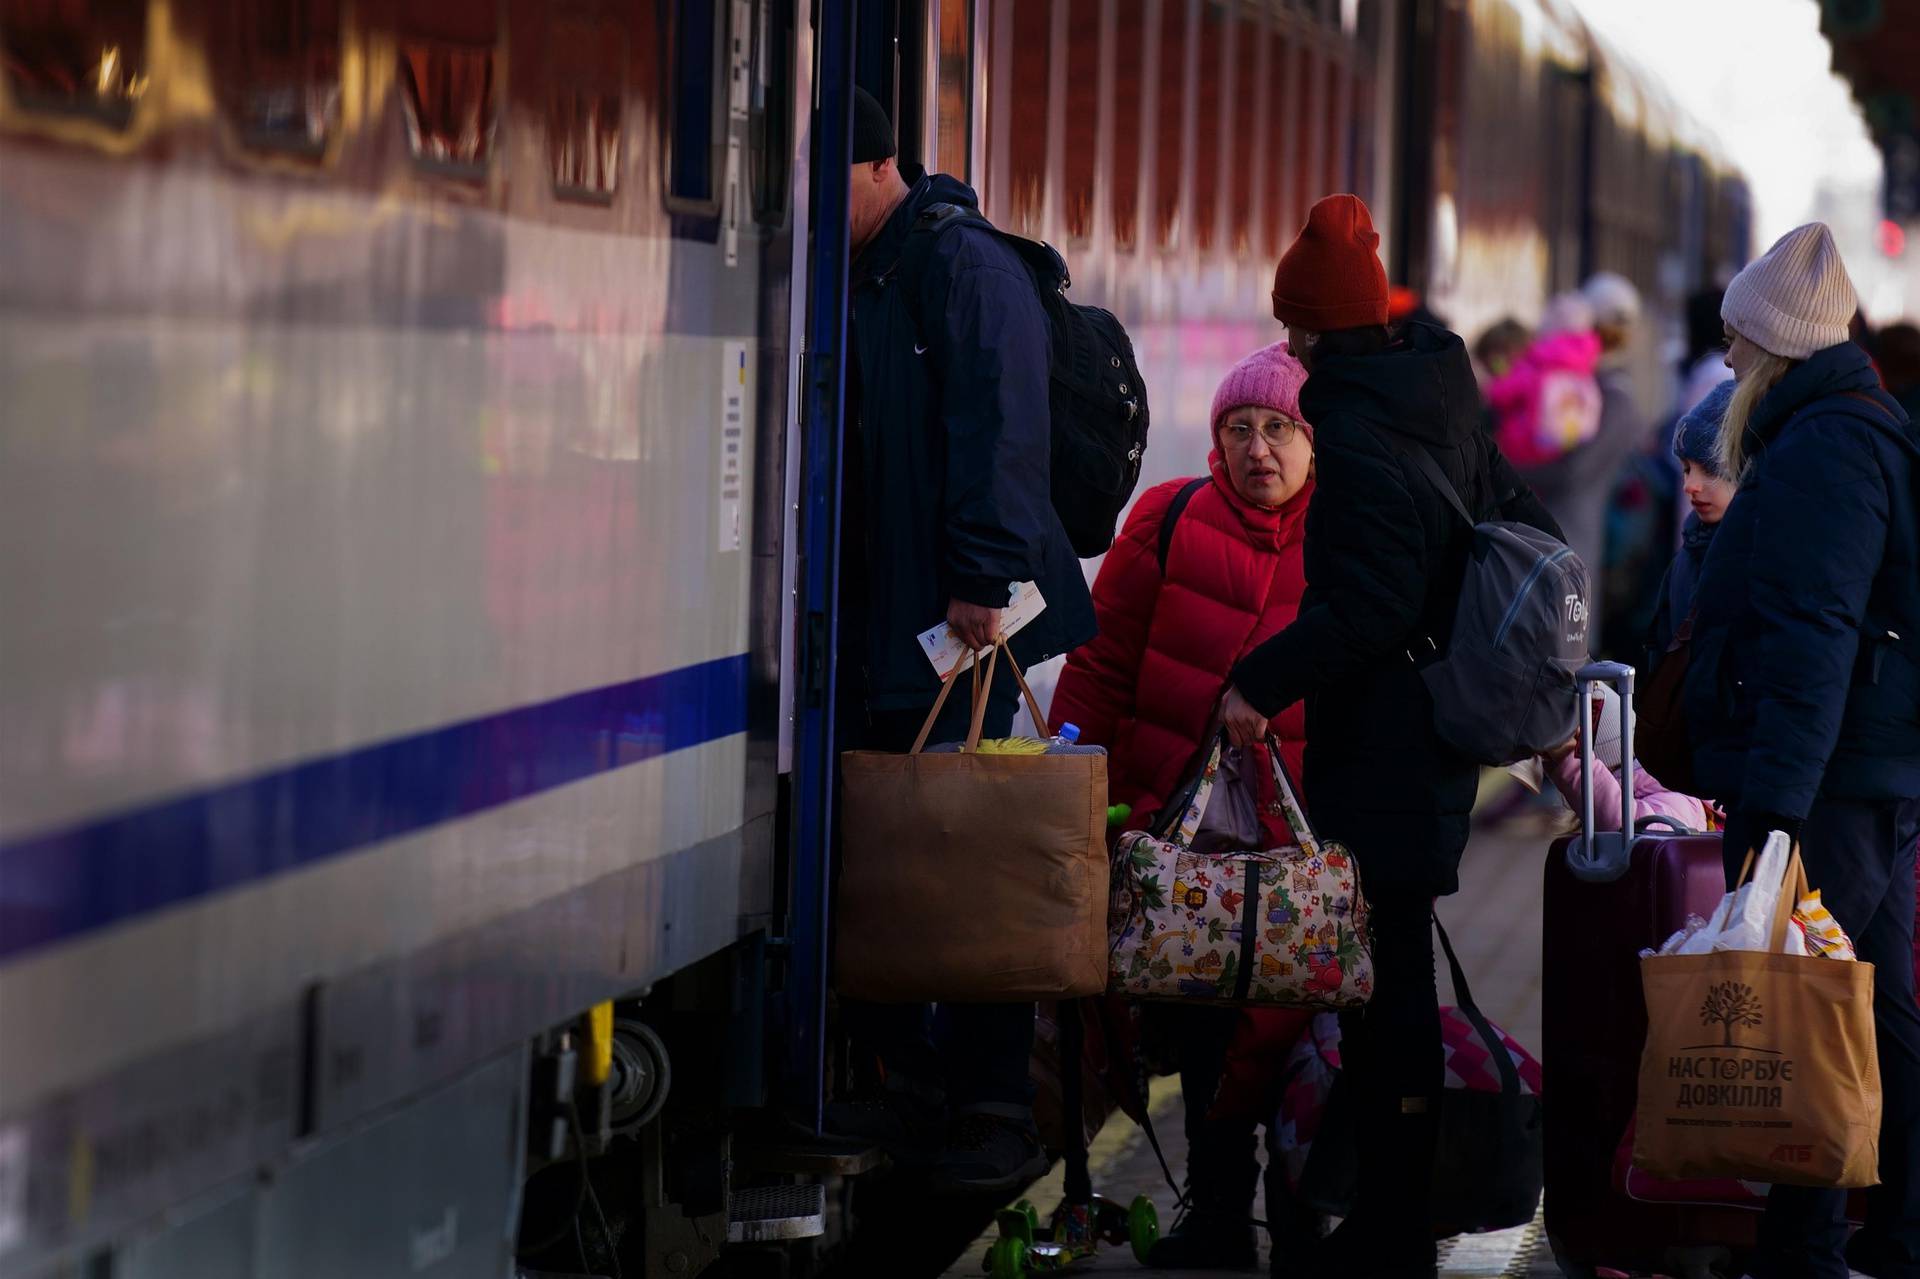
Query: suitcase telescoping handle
(1600, 857)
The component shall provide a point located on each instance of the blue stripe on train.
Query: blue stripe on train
(61, 885)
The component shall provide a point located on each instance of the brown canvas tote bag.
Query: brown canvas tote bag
(1760, 1065)
(972, 878)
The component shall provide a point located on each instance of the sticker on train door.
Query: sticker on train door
(733, 442)
(13, 1187)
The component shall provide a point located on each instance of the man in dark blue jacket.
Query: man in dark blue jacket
(945, 508)
(1803, 692)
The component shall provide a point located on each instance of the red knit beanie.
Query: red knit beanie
(1330, 277)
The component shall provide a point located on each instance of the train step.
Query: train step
(804, 1154)
(771, 1214)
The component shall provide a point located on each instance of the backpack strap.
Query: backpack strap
(1175, 509)
(1879, 415)
(1438, 478)
(927, 228)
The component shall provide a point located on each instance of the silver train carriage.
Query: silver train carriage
(415, 506)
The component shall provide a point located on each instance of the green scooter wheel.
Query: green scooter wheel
(1143, 1227)
(1007, 1259)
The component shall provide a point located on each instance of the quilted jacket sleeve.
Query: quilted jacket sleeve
(1096, 690)
(1367, 520)
(1819, 532)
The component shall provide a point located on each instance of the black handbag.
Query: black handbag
(1488, 1162)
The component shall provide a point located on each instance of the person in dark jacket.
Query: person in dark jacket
(1899, 357)
(1696, 444)
(1803, 688)
(1385, 557)
(945, 508)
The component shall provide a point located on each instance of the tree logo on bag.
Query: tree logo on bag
(1730, 1004)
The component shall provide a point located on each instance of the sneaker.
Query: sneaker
(989, 1151)
(904, 1119)
(1207, 1240)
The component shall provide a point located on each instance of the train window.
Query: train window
(1361, 148)
(283, 94)
(1310, 127)
(1083, 117)
(1170, 130)
(1247, 138)
(1337, 93)
(448, 72)
(1210, 88)
(1130, 81)
(1285, 102)
(770, 109)
(693, 146)
(953, 146)
(1029, 82)
(75, 57)
(587, 75)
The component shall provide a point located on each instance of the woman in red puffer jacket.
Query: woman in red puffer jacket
(1147, 685)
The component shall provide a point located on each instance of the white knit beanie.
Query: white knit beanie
(1796, 299)
(1614, 300)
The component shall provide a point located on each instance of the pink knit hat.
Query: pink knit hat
(1269, 378)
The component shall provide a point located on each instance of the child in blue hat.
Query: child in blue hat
(1696, 442)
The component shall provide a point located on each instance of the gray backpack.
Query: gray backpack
(1504, 689)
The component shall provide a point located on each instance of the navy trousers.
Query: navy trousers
(1860, 855)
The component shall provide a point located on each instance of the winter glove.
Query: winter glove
(1765, 823)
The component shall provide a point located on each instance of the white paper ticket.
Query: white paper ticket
(946, 650)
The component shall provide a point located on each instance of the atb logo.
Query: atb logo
(1729, 1004)
(1791, 1155)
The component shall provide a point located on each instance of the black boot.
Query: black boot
(1358, 1250)
(1390, 1234)
(1207, 1239)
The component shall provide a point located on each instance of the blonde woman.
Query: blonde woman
(1803, 686)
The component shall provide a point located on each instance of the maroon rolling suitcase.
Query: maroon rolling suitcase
(1608, 896)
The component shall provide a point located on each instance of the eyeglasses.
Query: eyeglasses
(1277, 432)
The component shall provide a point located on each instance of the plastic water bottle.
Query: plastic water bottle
(1069, 735)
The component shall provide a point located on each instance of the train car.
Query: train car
(396, 399)
(417, 482)
(1538, 156)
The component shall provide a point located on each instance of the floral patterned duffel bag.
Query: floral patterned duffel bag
(1279, 926)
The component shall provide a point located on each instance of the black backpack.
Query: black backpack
(1098, 400)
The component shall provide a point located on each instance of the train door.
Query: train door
(891, 48)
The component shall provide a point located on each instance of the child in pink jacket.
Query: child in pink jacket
(1650, 798)
(1547, 404)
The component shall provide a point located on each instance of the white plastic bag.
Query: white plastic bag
(1700, 940)
(1749, 922)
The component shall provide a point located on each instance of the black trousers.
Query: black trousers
(1860, 855)
(1391, 1053)
(1222, 1169)
(979, 1053)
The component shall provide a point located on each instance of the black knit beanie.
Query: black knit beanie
(872, 131)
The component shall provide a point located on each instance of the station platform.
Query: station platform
(1495, 924)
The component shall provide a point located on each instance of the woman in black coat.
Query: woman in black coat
(1803, 688)
(1385, 556)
